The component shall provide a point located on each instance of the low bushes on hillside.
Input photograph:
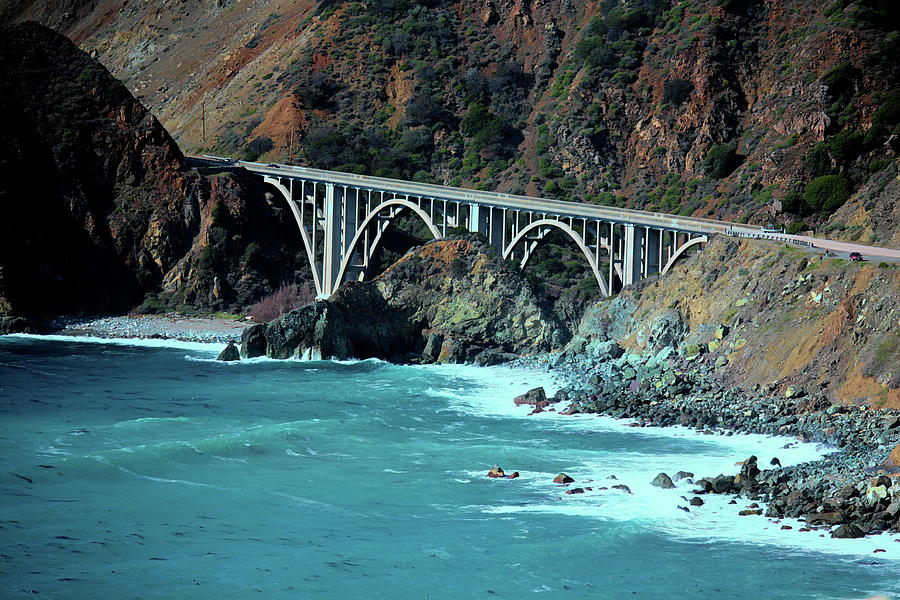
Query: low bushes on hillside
(284, 300)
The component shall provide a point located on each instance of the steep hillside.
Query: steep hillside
(99, 211)
(755, 110)
(768, 315)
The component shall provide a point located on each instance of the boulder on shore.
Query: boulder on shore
(563, 479)
(230, 353)
(663, 481)
(535, 397)
(848, 530)
(826, 518)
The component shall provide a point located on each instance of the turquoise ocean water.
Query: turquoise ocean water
(152, 471)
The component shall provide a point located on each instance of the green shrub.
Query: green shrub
(878, 164)
(845, 146)
(796, 227)
(721, 160)
(253, 256)
(676, 91)
(818, 162)
(488, 131)
(316, 90)
(888, 114)
(841, 80)
(827, 193)
(793, 203)
(151, 305)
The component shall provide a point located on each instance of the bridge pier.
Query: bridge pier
(334, 235)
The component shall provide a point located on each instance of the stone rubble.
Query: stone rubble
(853, 492)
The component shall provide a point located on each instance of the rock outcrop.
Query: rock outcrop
(448, 301)
(754, 313)
(229, 353)
(98, 207)
(356, 322)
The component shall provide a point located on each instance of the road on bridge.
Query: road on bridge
(574, 209)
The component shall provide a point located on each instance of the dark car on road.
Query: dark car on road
(855, 256)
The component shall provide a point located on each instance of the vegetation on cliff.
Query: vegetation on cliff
(99, 212)
(722, 108)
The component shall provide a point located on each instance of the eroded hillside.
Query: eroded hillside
(758, 110)
(768, 315)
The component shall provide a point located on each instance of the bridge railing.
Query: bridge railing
(766, 236)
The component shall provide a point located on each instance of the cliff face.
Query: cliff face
(98, 208)
(723, 108)
(448, 301)
(759, 313)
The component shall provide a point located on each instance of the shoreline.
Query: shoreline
(168, 326)
(850, 493)
(841, 489)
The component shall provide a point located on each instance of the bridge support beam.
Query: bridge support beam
(334, 247)
(634, 252)
(652, 245)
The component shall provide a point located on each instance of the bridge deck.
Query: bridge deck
(496, 199)
(546, 205)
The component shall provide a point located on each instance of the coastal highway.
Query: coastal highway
(548, 205)
(497, 199)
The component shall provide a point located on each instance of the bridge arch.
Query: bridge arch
(402, 204)
(543, 224)
(310, 252)
(681, 250)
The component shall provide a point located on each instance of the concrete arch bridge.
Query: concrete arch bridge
(342, 219)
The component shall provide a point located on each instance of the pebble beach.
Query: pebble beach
(170, 326)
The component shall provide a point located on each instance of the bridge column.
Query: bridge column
(652, 253)
(489, 222)
(353, 200)
(634, 254)
(479, 219)
(333, 247)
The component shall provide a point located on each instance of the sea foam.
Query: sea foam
(210, 347)
(716, 521)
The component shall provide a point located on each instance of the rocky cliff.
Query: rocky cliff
(725, 108)
(448, 301)
(761, 314)
(99, 209)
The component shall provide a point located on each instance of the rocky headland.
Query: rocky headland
(858, 486)
(448, 301)
(100, 212)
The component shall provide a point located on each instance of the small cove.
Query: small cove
(157, 472)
